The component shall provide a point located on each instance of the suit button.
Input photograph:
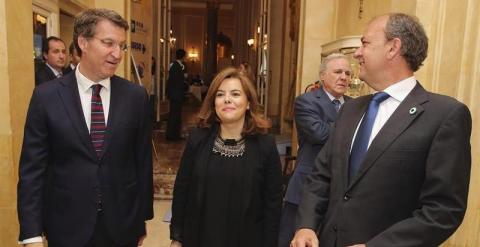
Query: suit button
(346, 197)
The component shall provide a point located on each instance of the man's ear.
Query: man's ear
(44, 55)
(395, 48)
(82, 43)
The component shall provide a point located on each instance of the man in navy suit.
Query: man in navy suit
(396, 169)
(315, 114)
(85, 176)
(54, 55)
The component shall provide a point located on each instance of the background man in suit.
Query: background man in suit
(396, 170)
(315, 113)
(176, 89)
(54, 54)
(85, 176)
(74, 59)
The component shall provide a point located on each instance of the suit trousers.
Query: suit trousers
(287, 224)
(174, 123)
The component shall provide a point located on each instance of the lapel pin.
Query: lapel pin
(412, 110)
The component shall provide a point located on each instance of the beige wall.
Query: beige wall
(451, 68)
(142, 12)
(16, 84)
(317, 17)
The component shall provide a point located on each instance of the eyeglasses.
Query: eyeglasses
(112, 44)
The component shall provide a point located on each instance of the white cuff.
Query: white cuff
(31, 240)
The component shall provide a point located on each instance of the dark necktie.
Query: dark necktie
(337, 104)
(97, 124)
(360, 144)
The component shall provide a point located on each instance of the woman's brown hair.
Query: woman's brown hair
(254, 120)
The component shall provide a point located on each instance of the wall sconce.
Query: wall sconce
(193, 55)
(250, 42)
(171, 39)
(232, 57)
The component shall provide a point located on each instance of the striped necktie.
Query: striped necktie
(337, 104)
(97, 124)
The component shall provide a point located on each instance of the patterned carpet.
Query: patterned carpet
(168, 154)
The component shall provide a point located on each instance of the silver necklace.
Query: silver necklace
(229, 147)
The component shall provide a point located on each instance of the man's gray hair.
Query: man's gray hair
(327, 59)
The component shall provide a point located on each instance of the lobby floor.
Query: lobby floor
(157, 230)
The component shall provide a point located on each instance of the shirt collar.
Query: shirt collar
(333, 98)
(85, 83)
(55, 72)
(401, 89)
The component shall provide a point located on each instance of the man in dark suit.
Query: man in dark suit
(395, 172)
(74, 59)
(176, 89)
(85, 176)
(315, 114)
(54, 54)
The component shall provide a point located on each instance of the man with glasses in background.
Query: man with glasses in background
(85, 176)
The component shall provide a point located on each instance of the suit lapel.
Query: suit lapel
(326, 102)
(115, 106)
(353, 114)
(71, 101)
(400, 120)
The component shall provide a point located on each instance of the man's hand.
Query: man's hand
(175, 244)
(304, 238)
(357, 245)
(33, 245)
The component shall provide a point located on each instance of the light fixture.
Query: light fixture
(250, 42)
(232, 57)
(171, 39)
(193, 55)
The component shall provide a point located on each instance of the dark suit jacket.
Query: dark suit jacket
(43, 74)
(60, 174)
(315, 115)
(176, 86)
(260, 204)
(412, 187)
(68, 69)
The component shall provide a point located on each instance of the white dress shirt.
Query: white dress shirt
(55, 72)
(341, 99)
(398, 92)
(85, 91)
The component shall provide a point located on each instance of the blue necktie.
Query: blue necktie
(337, 104)
(360, 144)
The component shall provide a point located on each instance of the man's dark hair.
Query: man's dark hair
(180, 54)
(71, 48)
(410, 31)
(85, 23)
(46, 44)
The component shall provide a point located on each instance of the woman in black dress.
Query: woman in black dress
(228, 187)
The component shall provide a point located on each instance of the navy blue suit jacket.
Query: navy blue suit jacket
(314, 117)
(60, 174)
